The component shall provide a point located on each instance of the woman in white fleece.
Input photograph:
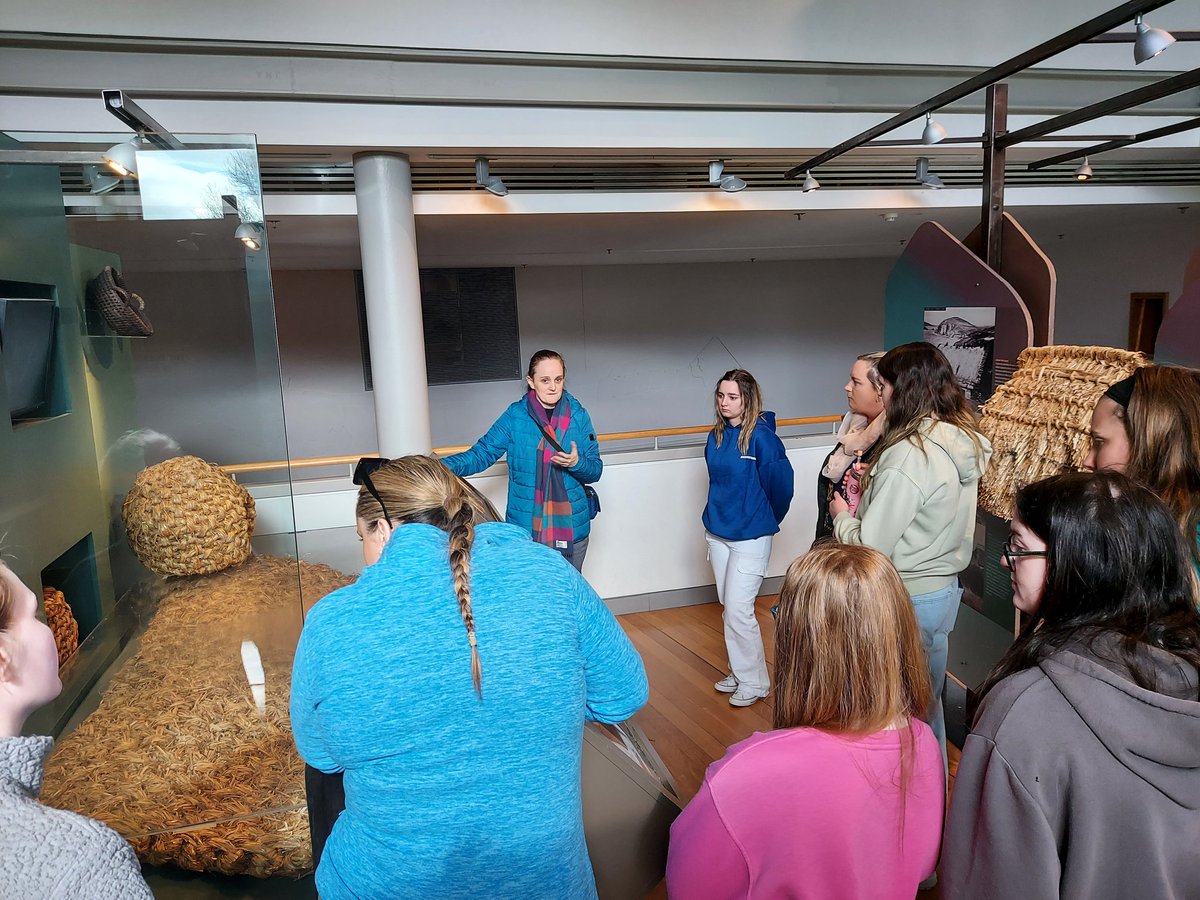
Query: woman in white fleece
(919, 495)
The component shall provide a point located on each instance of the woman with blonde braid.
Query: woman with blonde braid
(450, 685)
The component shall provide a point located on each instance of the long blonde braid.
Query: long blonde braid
(420, 489)
(462, 534)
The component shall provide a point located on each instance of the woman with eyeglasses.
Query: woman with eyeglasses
(1081, 775)
(919, 496)
(1148, 426)
(552, 451)
(450, 685)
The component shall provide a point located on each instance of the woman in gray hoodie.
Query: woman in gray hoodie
(45, 853)
(1081, 776)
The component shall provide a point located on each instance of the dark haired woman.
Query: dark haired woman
(844, 798)
(919, 495)
(552, 453)
(450, 684)
(750, 486)
(1081, 776)
(1148, 426)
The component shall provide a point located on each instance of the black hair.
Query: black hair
(1116, 564)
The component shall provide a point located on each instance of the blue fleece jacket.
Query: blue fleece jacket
(517, 435)
(748, 494)
(447, 795)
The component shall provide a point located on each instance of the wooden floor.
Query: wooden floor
(688, 722)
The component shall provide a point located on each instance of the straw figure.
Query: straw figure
(180, 738)
(1038, 421)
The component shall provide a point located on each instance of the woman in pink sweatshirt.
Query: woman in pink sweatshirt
(845, 798)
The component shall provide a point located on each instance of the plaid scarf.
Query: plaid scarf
(551, 506)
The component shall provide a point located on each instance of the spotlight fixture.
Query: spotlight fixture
(97, 181)
(1084, 172)
(810, 183)
(1149, 41)
(250, 234)
(730, 183)
(122, 158)
(934, 133)
(492, 183)
(925, 177)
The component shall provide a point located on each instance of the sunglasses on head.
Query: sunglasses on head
(362, 476)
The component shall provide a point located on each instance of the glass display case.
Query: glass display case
(172, 725)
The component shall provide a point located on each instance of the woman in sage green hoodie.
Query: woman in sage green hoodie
(919, 495)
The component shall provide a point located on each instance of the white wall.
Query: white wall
(647, 540)
(1100, 264)
(644, 345)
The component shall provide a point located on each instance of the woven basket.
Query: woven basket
(1038, 421)
(123, 310)
(186, 517)
(62, 623)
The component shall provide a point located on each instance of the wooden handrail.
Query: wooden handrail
(317, 462)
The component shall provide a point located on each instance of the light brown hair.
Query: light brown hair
(848, 654)
(752, 407)
(873, 375)
(420, 489)
(1163, 425)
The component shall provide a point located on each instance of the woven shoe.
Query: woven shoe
(745, 697)
(727, 685)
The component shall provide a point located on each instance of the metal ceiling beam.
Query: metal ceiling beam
(139, 120)
(1126, 12)
(1164, 88)
(1116, 144)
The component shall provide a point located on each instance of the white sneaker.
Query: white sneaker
(727, 685)
(745, 697)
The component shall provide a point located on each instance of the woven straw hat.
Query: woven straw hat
(186, 517)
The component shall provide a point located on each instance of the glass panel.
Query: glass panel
(172, 724)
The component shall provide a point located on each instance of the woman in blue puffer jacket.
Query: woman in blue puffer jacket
(545, 482)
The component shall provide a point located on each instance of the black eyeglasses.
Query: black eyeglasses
(1011, 556)
(362, 476)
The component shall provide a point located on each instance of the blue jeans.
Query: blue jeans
(936, 614)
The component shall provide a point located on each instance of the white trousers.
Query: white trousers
(739, 568)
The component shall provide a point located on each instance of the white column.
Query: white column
(388, 239)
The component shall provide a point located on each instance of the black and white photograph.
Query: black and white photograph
(967, 335)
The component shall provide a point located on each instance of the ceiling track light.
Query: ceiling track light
(716, 175)
(491, 183)
(122, 158)
(1084, 172)
(250, 234)
(810, 183)
(1149, 42)
(934, 133)
(925, 177)
(97, 181)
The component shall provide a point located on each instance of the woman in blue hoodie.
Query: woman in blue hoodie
(750, 485)
(552, 453)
